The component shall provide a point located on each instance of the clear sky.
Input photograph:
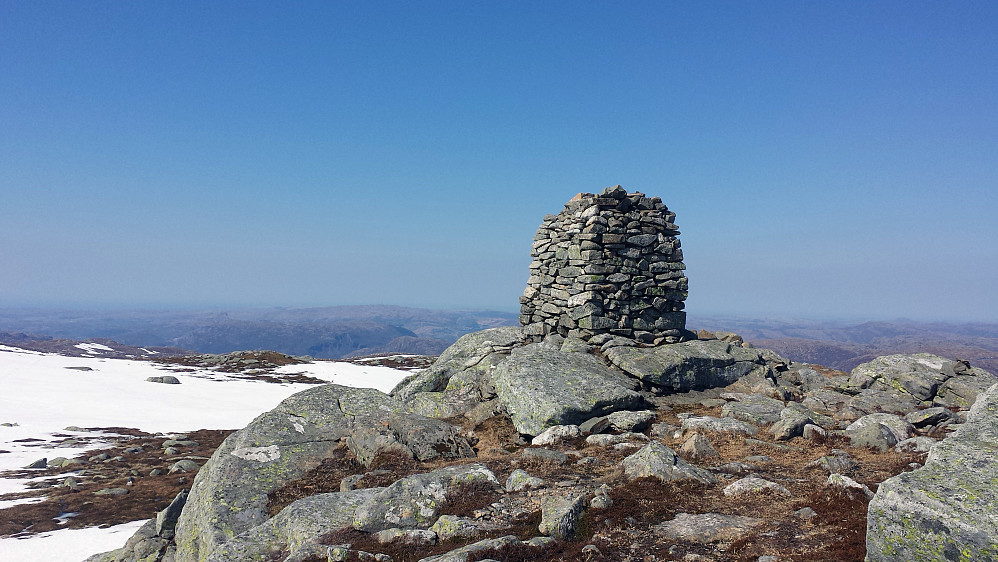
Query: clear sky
(825, 159)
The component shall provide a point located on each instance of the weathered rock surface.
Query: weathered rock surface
(707, 527)
(229, 494)
(946, 509)
(688, 365)
(659, 461)
(415, 501)
(754, 484)
(298, 524)
(540, 388)
(923, 378)
(459, 379)
(411, 435)
(560, 515)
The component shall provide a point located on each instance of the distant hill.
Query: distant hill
(842, 345)
(328, 332)
(351, 331)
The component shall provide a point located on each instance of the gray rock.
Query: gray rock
(462, 554)
(185, 465)
(598, 424)
(946, 509)
(791, 423)
(918, 444)
(813, 432)
(873, 400)
(415, 537)
(754, 484)
(520, 480)
(928, 417)
(557, 433)
(544, 455)
(689, 365)
(923, 377)
(560, 516)
(301, 522)
(898, 426)
(659, 461)
(229, 494)
(111, 492)
(848, 484)
(873, 435)
(698, 448)
(472, 355)
(838, 462)
(410, 435)
(540, 388)
(631, 421)
(166, 520)
(449, 527)
(40, 463)
(415, 501)
(707, 527)
(755, 409)
(166, 379)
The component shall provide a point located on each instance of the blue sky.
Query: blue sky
(824, 159)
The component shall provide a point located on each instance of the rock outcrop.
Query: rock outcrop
(947, 509)
(229, 494)
(541, 387)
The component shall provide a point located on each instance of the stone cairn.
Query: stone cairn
(607, 264)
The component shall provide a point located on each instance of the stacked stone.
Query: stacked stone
(607, 264)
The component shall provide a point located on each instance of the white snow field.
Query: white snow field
(44, 393)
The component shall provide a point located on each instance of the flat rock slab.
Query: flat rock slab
(689, 365)
(759, 410)
(541, 387)
(946, 509)
(707, 527)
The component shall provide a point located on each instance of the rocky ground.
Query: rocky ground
(508, 450)
(133, 477)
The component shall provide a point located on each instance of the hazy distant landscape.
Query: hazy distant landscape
(347, 331)
(842, 345)
(327, 332)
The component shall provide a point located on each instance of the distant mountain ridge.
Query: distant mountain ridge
(842, 346)
(327, 332)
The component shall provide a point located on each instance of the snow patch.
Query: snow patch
(93, 347)
(67, 545)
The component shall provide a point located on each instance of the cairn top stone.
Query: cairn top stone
(607, 264)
